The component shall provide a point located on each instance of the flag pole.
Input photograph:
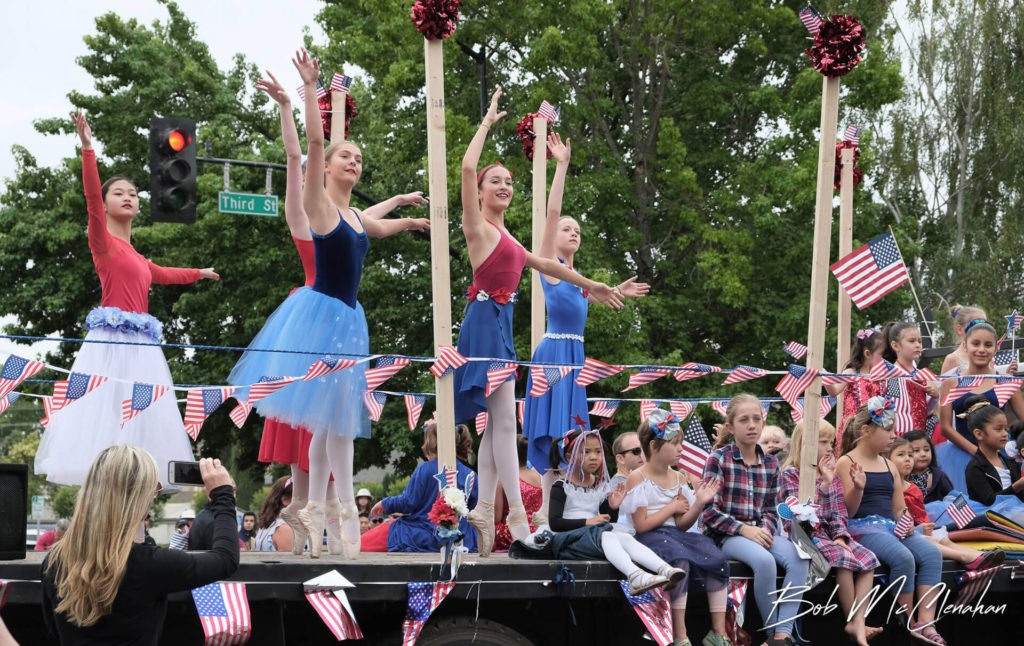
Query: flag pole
(437, 171)
(912, 290)
(540, 185)
(845, 247)
(339, 103)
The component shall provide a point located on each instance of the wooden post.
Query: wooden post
(437, 176)
(339, 103)
(819, 281)
(845, 247)
(540, 202)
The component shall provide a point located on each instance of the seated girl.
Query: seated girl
(926, 474)
(990, 473)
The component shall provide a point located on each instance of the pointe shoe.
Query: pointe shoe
(350, 546)
(641, 581)
(332, 521)
(482, 519)
(290, 516)
(673, 574)
(312, 519)
(539, 519)
(517, 522)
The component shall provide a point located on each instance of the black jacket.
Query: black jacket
(983, 484)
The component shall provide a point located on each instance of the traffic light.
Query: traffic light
(172, 167)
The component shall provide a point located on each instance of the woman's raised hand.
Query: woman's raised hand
(561, 152)
(274, 89)
(84, 131)
(493, 115)
(308, 67)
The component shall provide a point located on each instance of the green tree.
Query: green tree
(63, 501)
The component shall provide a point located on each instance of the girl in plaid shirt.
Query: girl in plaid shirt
(743, 519)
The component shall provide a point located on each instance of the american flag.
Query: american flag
(594, 370)
(49, 408)
(446, 477)
(481, 422)
(333, 608)
(448, 359)
(693, 370)
(646, 406)
(469, 483)
(795, 350)
(734, 613)
(872, 271)
(385, 369)
(974, 582)
(824, 408)
(645, 376)
(374, 403)
(811, 19)
(224, 612)
(963, 386)
(548, 111)
(7, 400)
(340, 82)
(497, 373)
(905, 525)
(834, 379)
(240, 413)
(896, 390)
(653, 609)
(719, 406)
(1013, 320)
(923, 376)
(696, 448)
(143, 396)
(321, 91)
(605, 407)
(267, 386)
(1005, 357)
(885, 370)
(16, 370)
(796, 381)
(414, 408)
(852, 135)
(200, 404)
(79, 385)
(1005, 388)
(424, 598)
(59, 398)
(743, 373)
(545, 378)
(681, 410)
(960, 511)
(325, 366)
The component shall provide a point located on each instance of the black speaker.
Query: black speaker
(13, 510)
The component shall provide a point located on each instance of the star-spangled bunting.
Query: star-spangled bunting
(871, 271)
(797, 412)
(1004, 358)
(719, 406)
(1013, 321)
(448, 359)
(498, 373)
(336, 613)
(240, 413)
(1006, 387)
(796, 350)
(7, 400)
(544, 378)
(424, 598)
(743, 373)
(974, 582)
(963, 386)
(905, 525)
(16, 370)
(646, 406)
(605, 407)
(325, 366)
(960, 511)
(883, 370)
(341, 83)
(481, 423)
(811, 19)
(594, 370)
(795, 383)
(654, 611)
(49, 407)
(224, 613)
(79, 385)
(446, 477)
(696, 448)
(385, 369)
(852, 135)
(200, 404)
(645, 376)
(923, 376)
(681, 410)
(267, 386)
(413, 409)
(836, 379)
(374, 403)
(548, 111)
(692, 370)
(143, 396)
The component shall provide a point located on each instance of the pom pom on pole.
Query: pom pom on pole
(436, 19)
(858, 174)
(838, 42)
(325, 113)
(524, 130)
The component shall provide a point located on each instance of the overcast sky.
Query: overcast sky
(42, 40)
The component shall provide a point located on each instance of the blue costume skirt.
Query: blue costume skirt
(486, 332)
(549, 417)
(312, 322)
(953, 460)
(673, 545)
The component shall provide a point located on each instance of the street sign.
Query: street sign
(247, 204)
(37, 506)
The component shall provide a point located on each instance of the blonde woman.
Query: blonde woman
(101, 584)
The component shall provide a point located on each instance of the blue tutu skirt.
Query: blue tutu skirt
(673, 545)
(549, 417)
(312, 322)
(953, 460)
(486, 332)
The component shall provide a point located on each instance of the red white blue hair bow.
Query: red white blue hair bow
(883, 411)
(664, 424)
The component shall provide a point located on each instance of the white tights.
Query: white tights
(498, 457)
(628, 554)
(300, 484)
(332, 453)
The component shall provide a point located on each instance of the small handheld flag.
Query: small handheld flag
(852, 135)
(811, 19)
(696, 448)
(224, 613)
(341, 83)
(960, 511)
(548, 111)
(973, 583)
(905, 525)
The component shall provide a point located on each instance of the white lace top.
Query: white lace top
(583, 502)
(654, 498)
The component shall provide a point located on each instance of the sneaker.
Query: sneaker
(711, 639)
(641, 581)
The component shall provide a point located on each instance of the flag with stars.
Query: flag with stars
(743, 373)
(7, 400)
(1005, 358)
(498, 373)
(605, 407)
(1006, 387)
(963, 386)
(374, 403)
(646, 406)
(79, 385)
(594, 370)
(481, 423)
(852, 135)
(224, 613)
(653, 609)
(735, 611)
(267, 386)
(16, 370)
(143, 396)
(645, 376)
(1013, 320)
(923, 376)
(414, 408)
(545, 377)
(321, 91)
(796, 350)
(872, 271)
(795, 383)
(448, 359)
(825, 407)
(200, 404)
(548, 111)
(681, 410)
(960, 511)
(341, 83)
(838, 378)
(446, 477)
(696, 448)
(385, 369)
(52, 403)
(896, 390)
(424, 598)
(884, 370)
(811, 19)
(325, 366)
(336, 613)
(974, 582)
(693, 370)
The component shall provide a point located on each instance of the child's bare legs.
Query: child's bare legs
(959, 553)
(847, 597)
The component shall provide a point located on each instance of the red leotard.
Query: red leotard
(503, 268)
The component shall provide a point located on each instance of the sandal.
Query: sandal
(917, 631)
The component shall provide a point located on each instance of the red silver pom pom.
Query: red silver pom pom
(858, 174)
(838, 46)
(436, 19)
(524, 130)
(325, 113)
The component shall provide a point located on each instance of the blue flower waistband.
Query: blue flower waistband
(116, 319)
